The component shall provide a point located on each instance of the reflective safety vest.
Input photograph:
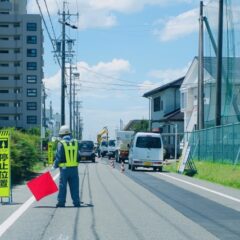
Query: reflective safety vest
(71, 150)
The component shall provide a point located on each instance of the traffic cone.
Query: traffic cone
(122, 167)
(112, 163)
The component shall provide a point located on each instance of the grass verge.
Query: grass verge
(224, 174)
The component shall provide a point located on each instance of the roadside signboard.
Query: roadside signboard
(50, 153)
(5, 164)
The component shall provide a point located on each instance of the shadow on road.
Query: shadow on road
(86, 205)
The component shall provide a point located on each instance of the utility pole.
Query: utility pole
(44, 107)
(200, 112)
(70, 89)
(63, 21)
(51, 110)
(63, 84)
(76, 76)
(219, 66)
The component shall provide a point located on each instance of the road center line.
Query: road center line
(15, 215)
(203, 188)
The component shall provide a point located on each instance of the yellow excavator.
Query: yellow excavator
(101, 133)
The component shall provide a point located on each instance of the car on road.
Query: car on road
(111, 148)
(87, 151)
(103, 148)
(146, 150)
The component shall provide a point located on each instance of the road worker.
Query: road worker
(67, 159)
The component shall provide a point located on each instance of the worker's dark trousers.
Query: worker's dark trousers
(69, 175)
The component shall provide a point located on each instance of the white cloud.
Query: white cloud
(147, 85)
(99, 13)
(167, 75)
(178, 26)
(92, 79)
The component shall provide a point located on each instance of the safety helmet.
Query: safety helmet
(64, 130)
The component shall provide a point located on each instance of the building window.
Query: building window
(16, 64)
(17, 90)
(32, 92)
(31, 79)
(4, 38)
(4, 65)
(4, 51)
(17, 37)
(17, 50)
(4, 25)
(4, 118)
(2, 104)
(17, 104)
(156, 104)
(31, 52)
(16, 25)
(31, 66)
(4, 78)
(31, 106)
(31, 26)
(183, 100)
(17, 117)
(17, 77)
(32, 39)
(31, 119)
(4, 91)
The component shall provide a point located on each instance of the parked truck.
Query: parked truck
(123, 139)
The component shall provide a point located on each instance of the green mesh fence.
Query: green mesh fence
(230, 108)
(217, 144)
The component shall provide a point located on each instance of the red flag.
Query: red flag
(42, 186)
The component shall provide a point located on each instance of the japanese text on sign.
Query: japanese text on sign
(4, 164)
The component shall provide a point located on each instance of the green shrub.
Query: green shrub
(25, 154)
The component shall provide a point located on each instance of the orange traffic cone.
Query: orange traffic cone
(122, 167)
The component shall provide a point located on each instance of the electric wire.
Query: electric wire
(114, 84)
(107, 76)
(49, 35)
(50, 19)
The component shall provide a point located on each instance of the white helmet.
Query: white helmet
(64, 130)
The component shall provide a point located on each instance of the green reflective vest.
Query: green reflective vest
(71, 150)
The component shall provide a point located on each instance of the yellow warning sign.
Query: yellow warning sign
(5, 164)
(50, 153)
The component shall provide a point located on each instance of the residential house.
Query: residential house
(165, 114)
(230, 92)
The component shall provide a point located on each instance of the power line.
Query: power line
(115, 84)
(106, 76)
(49, 35)
(110, 89)
(55, 38)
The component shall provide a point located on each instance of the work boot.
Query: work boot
(77, 205)
(61, 205)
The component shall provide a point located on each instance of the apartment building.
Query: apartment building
(21, 66)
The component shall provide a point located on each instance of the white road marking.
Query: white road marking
(13, 218)
(203, 188)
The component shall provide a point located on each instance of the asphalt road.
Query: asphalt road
(131, 205)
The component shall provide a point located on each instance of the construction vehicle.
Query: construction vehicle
(123, 141)
(102, 139)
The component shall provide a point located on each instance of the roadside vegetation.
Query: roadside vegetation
(224, 174)
(25, 154)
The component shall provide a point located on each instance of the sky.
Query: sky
(123, 49)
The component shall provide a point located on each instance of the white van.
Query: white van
(146, 150)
